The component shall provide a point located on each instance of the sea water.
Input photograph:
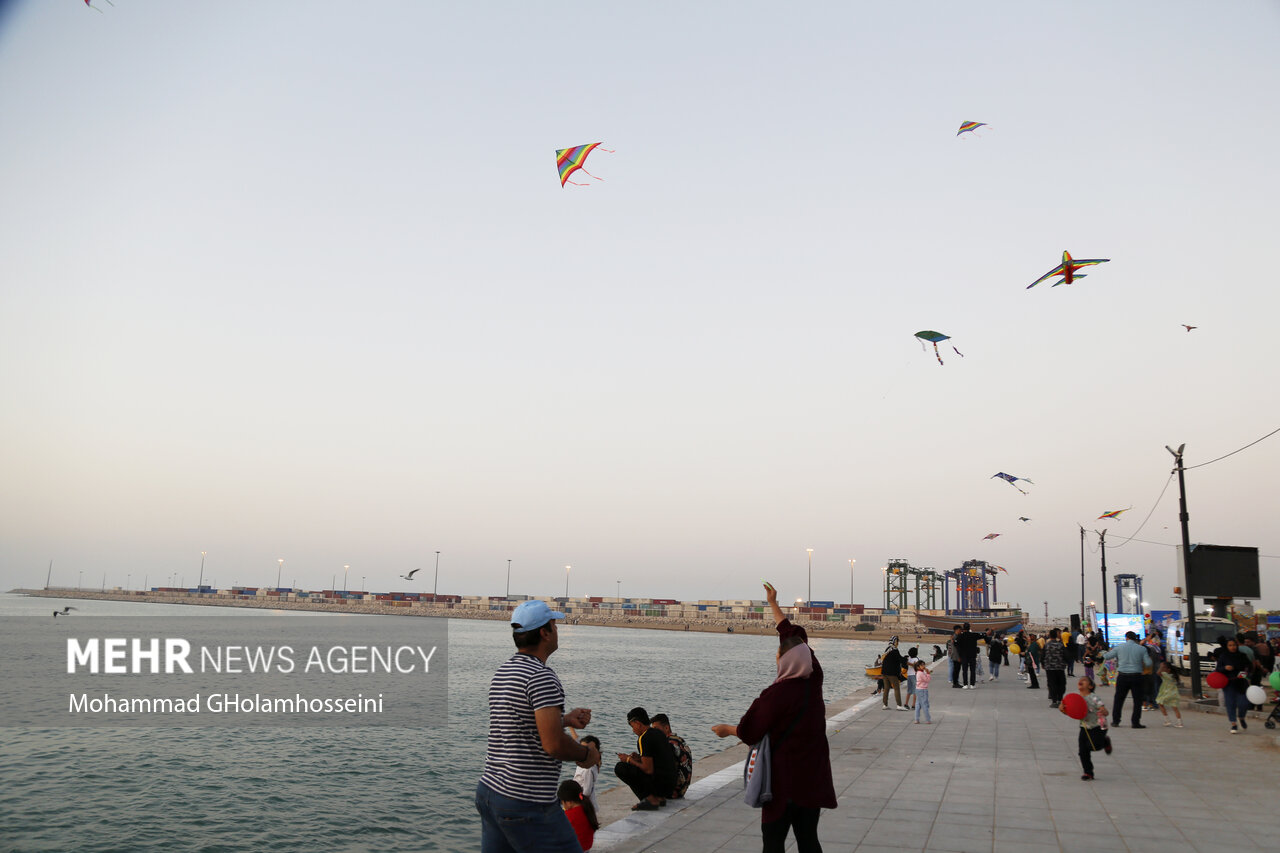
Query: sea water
(356, 787)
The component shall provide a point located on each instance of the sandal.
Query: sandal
(644, 806)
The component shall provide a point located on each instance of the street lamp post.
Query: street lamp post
(619, 588)
(80, 581)
(508, 578)
(1197, 692)
(128, 582)
(851, 562)
(202, 556)
(346, 570)
(435, 589)
(566, 581)
(279, 569)
(810, 600)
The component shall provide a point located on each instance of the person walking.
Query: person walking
(997, 653)
(1073, 653)
(1031, 657)
(516, 795)
(967, 644)
(1235, 665)
(891, 665)
(953, 656)
(791, 712)
(1055, 667)
(1168, 697)
(1130, 657)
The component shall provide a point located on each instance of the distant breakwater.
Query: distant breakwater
(450, 610)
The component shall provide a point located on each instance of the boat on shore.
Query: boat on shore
(988, 621)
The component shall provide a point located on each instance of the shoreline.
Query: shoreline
(719, 625)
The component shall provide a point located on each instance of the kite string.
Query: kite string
(1153, 510)
(1234, 452)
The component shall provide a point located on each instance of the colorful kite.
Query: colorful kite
(1022, 518)
(1115, 513)
(1011, 480)
(95, 8)
(935, 338)
(991, 536)
(1067, 269)
(1001, 568)
(570, 160)
(970, 126)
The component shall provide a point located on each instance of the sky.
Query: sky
(299, 281)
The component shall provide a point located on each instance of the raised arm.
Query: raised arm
(771, 595)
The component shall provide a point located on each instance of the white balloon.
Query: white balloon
(1256, 695)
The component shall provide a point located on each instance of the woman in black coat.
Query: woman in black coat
(1235, 665)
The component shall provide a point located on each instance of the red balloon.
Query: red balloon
(1073, 705)
(1217, 680)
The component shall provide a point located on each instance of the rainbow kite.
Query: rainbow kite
(991, 536)
(1068, 269)
(970, 126)
(570, 160)
(1115, 513)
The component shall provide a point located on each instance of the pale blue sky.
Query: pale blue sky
(299, 280)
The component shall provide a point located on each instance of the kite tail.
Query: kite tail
(958, 352)
(576, 184)
(589, 175)
(937, 354)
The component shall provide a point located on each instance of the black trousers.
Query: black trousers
(803, 821)
(968, 669)
(1031, 673)
(1126, 683)
(1086, 747)
(1056, 679)
(642, 784)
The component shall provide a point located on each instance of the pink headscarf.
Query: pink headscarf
(796, 662)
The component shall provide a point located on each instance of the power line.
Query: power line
(1234, 452)
(1153, 510)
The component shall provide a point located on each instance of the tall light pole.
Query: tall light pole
(202, 556)
(1106, 623)
(279, 569)
(566, 581)
(1081, 574)
(435, 589)
(619, 588)
(851, 562)
(346, 570)
(80, 581)
(128, 582)
(1197, 692)
(810, 600)
(508, 578)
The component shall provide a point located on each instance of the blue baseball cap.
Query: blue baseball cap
(533, 614)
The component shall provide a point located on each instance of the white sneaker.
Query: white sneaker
(903, 708)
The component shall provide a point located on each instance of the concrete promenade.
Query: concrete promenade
(997, 772)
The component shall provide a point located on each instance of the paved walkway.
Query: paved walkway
(998, 771)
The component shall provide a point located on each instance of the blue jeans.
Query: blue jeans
(922, 704)
(508, 825)
(995, 668)
(1237, 704)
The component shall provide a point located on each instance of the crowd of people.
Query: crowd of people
(524, 806)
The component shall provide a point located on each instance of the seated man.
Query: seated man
(684, 758)
(650, 771)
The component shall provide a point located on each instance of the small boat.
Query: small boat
(977, 622)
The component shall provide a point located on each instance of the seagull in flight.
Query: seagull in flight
(66, 611)
(412, 572)
(1189, 328)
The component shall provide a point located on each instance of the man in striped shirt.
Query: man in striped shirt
(516, 796)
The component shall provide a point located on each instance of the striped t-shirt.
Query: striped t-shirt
(515, 764)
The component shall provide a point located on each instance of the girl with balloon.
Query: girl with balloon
(1232, 677)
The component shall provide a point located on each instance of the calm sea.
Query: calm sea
(355, 788)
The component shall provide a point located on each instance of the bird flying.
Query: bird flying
(1189, 328)
(66, 611)
(412, 572)
(1067, 269)
(1023, 518)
